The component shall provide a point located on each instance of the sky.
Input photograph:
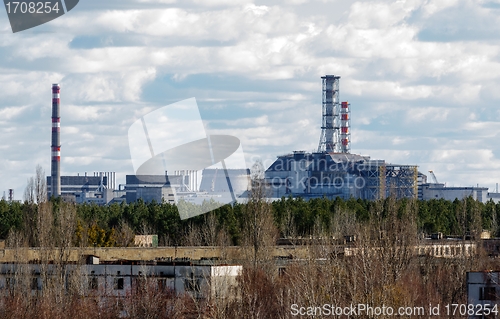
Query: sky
(422, 78)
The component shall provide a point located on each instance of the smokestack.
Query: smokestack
(336, 123)
(56, 143)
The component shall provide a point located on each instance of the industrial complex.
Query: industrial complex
(332, 171)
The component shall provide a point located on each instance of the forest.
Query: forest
(115, 225)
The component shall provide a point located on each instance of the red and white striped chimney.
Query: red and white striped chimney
(345, 127)
(56, 143)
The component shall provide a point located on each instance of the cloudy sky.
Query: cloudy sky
(422, 77)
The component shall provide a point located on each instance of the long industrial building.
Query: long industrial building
(100, 188)
(198, 279)
(183, 185)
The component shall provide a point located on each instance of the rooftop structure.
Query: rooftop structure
(98, 189)
(437, 191)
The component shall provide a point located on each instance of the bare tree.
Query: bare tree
(40, 185)
(36, 188)
(193, 235)
(209, 229)
(259, 231)
(125, 235)
(29, 191)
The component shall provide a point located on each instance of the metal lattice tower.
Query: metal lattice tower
(330, 128)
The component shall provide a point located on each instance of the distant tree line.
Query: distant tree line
(116, 224)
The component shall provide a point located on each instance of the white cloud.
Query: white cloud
(417, 99)
(9, 113)
(427, 114)
(432, 7)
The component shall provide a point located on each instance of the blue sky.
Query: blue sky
(422, 78)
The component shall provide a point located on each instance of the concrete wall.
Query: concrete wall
(140, 253)
(232, 253)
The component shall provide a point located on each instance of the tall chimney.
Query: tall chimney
(56, 143)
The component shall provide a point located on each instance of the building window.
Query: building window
(34, 283)
(281, 271)
(487, 293)
(10, 283)
(192, 284)
(118, 284)
(162, 284)
(93, 284)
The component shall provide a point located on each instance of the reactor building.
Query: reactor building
(333, 171)
(184, 185)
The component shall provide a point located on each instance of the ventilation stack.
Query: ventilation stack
(55, 170)
(335, 128)
(330, 118)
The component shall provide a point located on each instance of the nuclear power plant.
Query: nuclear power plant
(332, 171)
